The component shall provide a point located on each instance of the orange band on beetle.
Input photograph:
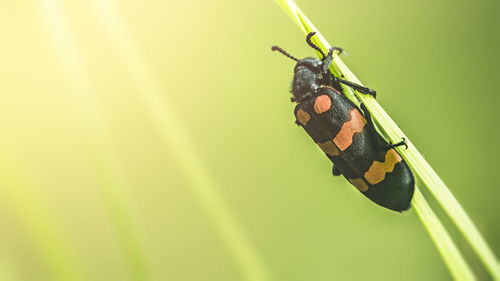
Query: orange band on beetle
(322, 104)
(344, 138)
(329, 148)
(377, 171)
(359, 183)
(303, 117)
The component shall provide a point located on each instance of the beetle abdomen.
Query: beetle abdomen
(356, 149)
(396, 190)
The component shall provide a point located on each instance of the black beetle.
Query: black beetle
(347, 134)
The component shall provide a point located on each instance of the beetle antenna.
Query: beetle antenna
(276, 48)
(308, 40)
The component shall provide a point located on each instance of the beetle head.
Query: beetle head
(309, 73)
(307, 78)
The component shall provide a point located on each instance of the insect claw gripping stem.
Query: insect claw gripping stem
(333, 49)
(403, 142)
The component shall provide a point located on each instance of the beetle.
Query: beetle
(347, 134)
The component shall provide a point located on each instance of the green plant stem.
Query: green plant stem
(449, 251)
(429, 178)
(421, 168)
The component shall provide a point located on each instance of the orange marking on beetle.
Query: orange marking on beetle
(322, 104)
(359, 183)
(331, 88)
(329, 148)
(344, 138)
(377, 171)
(303, 117)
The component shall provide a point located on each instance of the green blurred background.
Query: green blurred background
(155, 140)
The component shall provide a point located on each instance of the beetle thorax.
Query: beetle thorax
(307, 78)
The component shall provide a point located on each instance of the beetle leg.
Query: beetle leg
(368, 116)
(369, 120)
(329, 58)
(403, 142)
(357, 87)
(336, 171)
(366, 113)
(326, 63)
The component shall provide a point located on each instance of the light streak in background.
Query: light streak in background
(34, 217)
(202, 184)
(112, 178)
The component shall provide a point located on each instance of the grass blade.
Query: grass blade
(419, 165)
(449, 251)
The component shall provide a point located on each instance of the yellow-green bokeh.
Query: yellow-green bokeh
(97, 183)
